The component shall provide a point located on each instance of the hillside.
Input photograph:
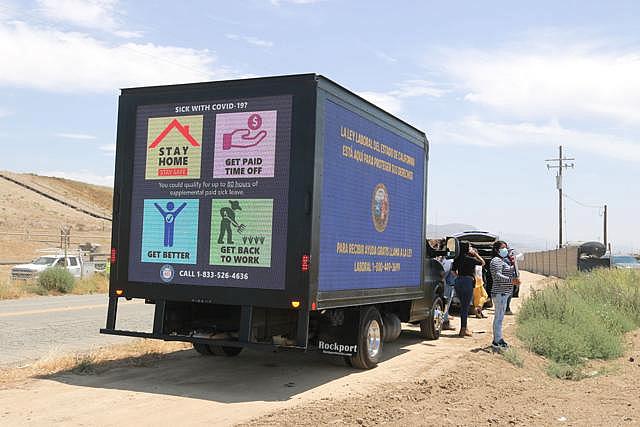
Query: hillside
(30, 220)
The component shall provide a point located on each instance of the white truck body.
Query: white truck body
(74, 263)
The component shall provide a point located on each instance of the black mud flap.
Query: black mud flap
(337, 332)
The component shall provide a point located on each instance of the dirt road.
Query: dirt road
(34, 328)
(418, 383)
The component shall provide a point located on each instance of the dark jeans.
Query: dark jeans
(464, 289)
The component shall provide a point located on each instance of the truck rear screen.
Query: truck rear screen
(372, 205)
(209, 193)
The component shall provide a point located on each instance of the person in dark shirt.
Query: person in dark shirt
(465, 268)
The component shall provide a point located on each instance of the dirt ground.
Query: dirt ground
(451, 381)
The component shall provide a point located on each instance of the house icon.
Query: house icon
(183, 129)
(174, 146)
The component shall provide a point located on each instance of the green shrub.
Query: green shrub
(512, 356)
(565, 371)
(582, 318)
(56, 279)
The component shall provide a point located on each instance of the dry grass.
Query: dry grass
(10, 289)
(96, 284)
(13, 289)
(142, 352)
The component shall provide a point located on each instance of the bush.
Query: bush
(583, 318)
(565, 371)
(56, 279)
(512, 356)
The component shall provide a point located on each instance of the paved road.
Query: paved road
(33, 328)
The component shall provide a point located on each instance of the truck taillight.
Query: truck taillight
(304, 264)
(114, 255)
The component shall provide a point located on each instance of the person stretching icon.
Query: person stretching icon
(169, 221)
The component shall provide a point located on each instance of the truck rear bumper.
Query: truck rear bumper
(242, 337)
(193, 339)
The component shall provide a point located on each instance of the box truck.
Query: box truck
(281, 211)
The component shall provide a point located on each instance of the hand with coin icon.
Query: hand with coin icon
(243, 138)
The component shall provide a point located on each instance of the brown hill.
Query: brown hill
(29, 220)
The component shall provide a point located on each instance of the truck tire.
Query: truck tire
(202, 349)
(392, 327)
(369, 350)
(224, 350)
(431, 327)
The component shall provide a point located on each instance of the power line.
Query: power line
(584, 205)
(560, 163)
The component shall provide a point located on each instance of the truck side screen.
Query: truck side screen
(209, 193)
(371, 206)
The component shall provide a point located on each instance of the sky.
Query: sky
(496, 85)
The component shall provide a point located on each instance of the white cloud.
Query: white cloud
(386, 101)
(474, 131)
(75, 135)
(5, 112)
(109, 149)
(392, 101)
(384, 56)
(545, 79)
(92, 14)
(60, 61)
(251, 40)
(82, 176)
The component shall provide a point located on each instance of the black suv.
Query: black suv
(483, 242)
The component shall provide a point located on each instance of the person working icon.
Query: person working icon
(169, 216)
(228, 219)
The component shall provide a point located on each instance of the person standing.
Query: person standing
(504, 279)
(465, 268)
(449, 280)
(511, 259)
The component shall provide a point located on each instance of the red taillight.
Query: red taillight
(304, 264)
(114, 255)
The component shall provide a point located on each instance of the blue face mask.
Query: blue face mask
(503, 252)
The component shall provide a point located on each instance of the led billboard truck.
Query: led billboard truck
(280, 211)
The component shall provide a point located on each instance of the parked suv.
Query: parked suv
(483, 241)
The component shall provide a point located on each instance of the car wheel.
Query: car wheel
(431, 327)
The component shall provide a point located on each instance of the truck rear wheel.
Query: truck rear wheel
(202, 349)
(369, 350)
(392, 327)
(224, 350)
(431, 327)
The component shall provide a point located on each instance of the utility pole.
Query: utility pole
(605, 226)
(561, 164)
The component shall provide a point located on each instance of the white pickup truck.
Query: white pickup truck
(74, 263)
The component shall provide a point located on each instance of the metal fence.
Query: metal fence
(558, 262)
